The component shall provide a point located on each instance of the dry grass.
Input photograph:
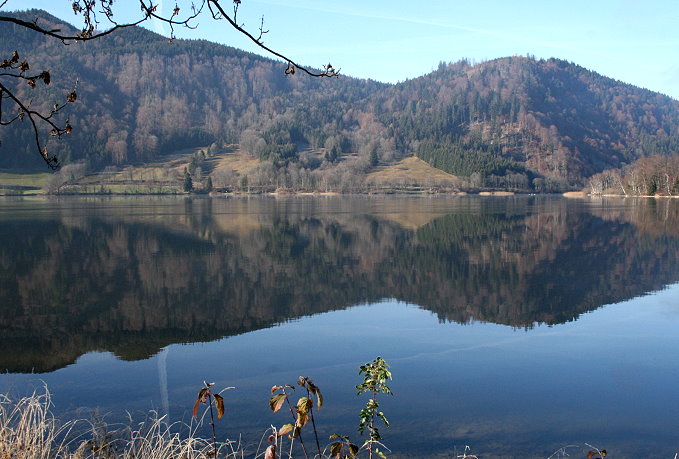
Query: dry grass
(237, 161)
(411, 170)
(165, 175)
(28, 430)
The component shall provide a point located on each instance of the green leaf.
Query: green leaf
(277, 401)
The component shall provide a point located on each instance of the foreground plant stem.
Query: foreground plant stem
(214, 431)
(292, 413)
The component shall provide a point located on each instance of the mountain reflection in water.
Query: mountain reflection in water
(132, 276)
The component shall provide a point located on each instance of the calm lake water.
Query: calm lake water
(513, 325)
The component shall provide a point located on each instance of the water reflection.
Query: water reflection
(133, 276)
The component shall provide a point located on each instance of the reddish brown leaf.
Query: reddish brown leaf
(270, 452)
(219, 401)
(203, 394)
(202, 398)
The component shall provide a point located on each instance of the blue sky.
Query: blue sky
(633, 41)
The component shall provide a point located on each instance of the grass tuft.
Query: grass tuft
(28, 430)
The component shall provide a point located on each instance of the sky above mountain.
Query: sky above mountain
(632, 41)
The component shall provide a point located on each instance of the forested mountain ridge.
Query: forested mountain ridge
(552, 120)
(513, 122)
(140, 95)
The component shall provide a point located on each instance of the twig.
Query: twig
(301, 441)
(562, 451)
(328, 70)
(214, 432)
(465, 455)
(313, 421)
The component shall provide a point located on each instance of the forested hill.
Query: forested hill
(513, 122)
(554, 119)
(140, 95)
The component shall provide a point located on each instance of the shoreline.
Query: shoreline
(388, 192)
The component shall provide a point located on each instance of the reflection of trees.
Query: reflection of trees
(544, 268)
(132, 286)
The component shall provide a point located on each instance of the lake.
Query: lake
(514, 325)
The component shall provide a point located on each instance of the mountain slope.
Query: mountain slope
(140, 95)
(513, 122)
(549, 118)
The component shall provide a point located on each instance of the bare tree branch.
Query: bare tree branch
(87, 9)
(219, 13)
(85, 35)
(24, 109)
(33, 115)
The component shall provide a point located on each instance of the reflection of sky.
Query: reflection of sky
(608, 378)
